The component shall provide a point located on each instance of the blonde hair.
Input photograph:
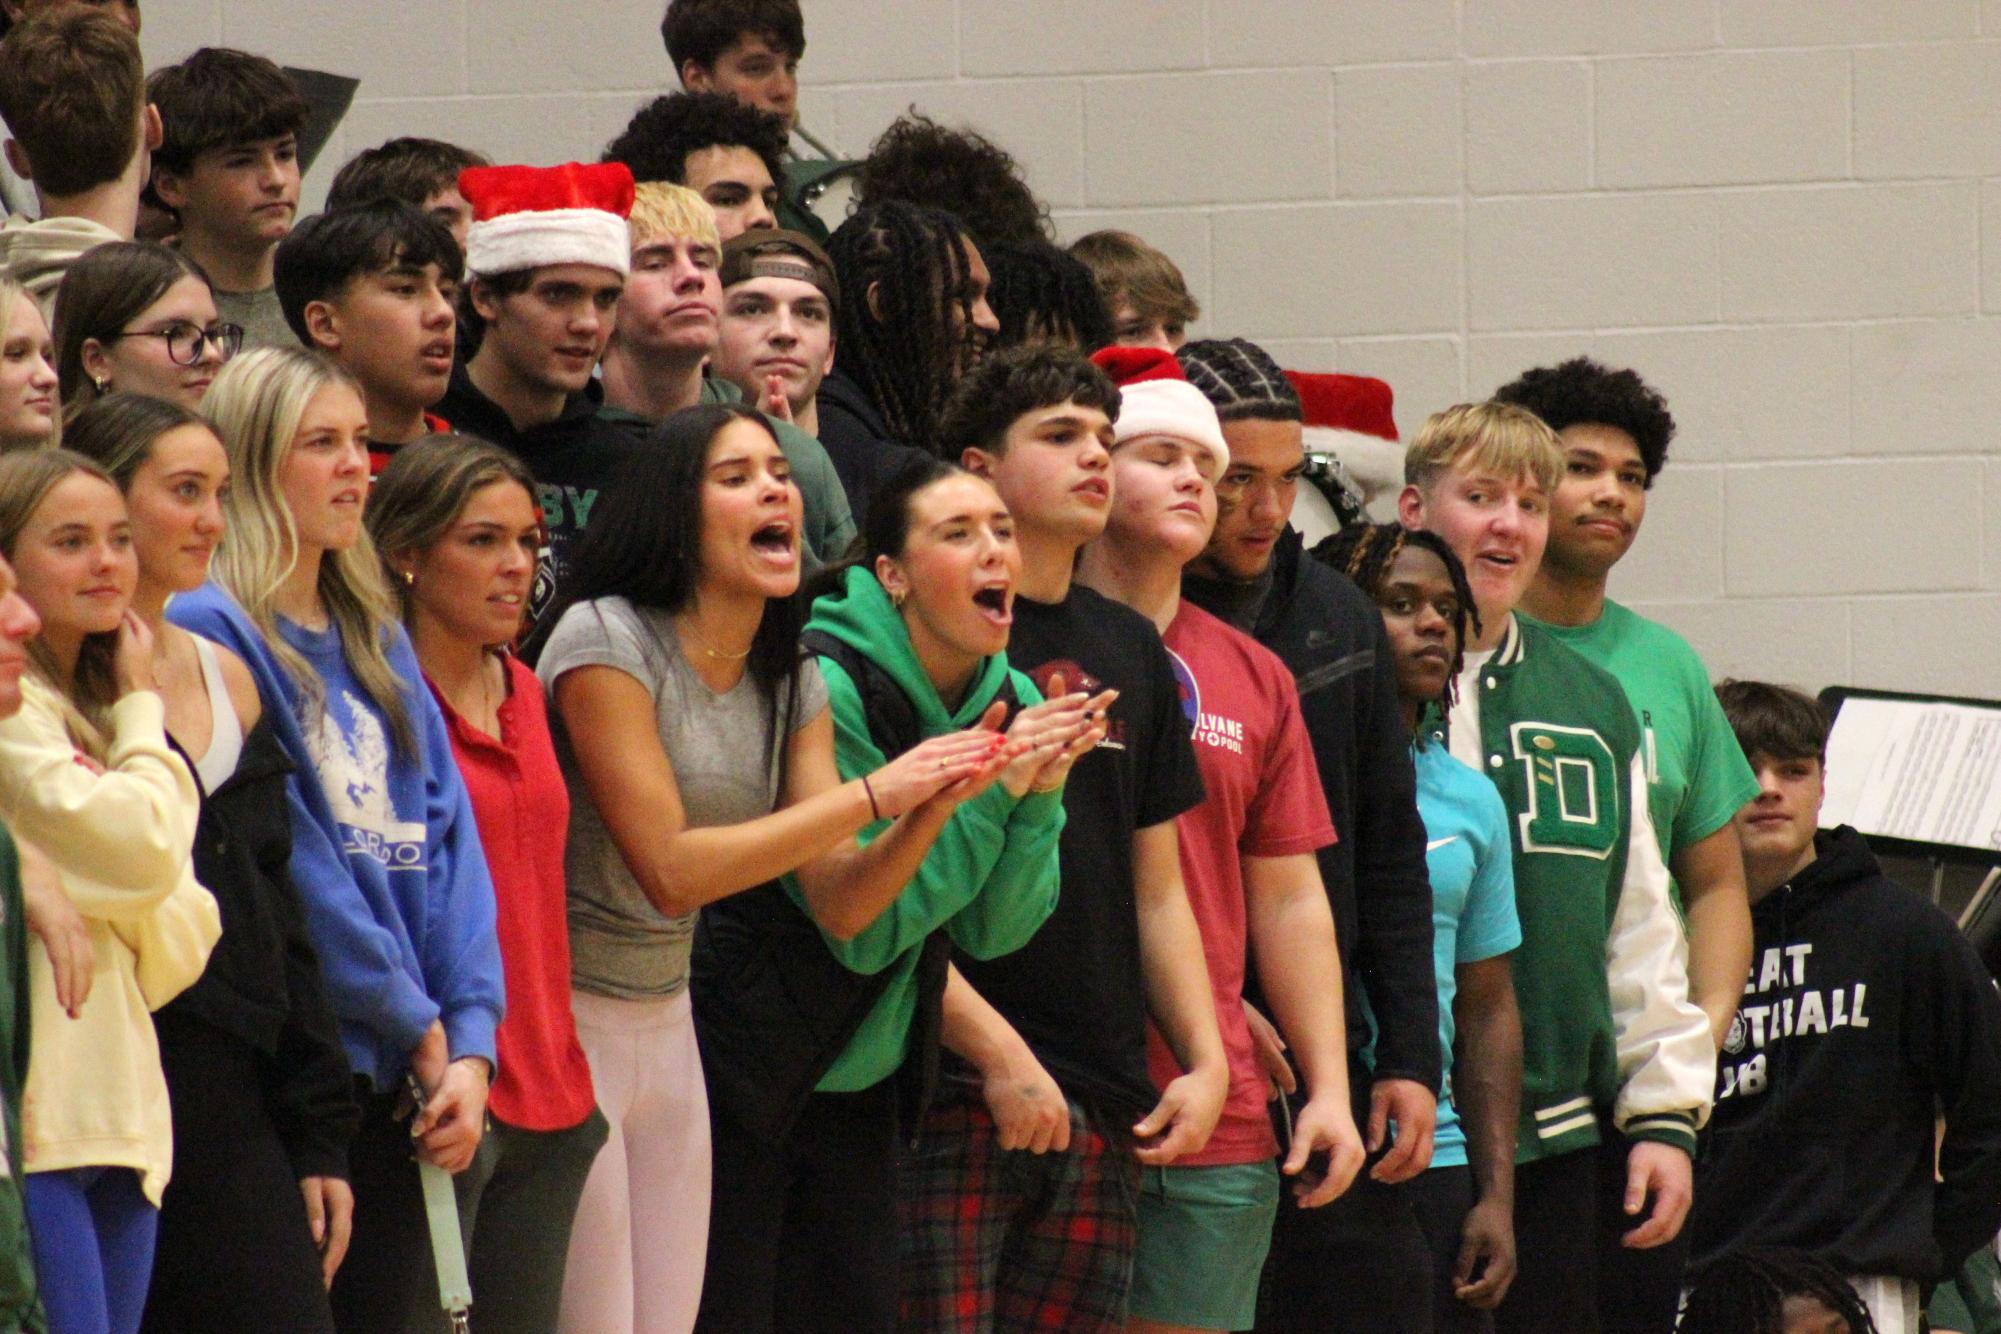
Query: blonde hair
(27, 476)
(1510, 442)
(660, 209)
(12, 293)
(257, 403)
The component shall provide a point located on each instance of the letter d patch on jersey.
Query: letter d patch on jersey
(1572, 779)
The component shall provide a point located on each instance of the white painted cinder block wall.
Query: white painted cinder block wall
(1786, 213)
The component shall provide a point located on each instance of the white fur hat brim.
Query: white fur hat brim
(1171, 407)
(530, 240)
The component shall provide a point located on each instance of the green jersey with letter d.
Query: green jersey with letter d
(1602, 973)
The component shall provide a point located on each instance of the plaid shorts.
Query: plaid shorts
(1003, 1239)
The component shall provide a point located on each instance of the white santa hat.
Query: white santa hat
(526, 217)
(1352, 417)
(1155, 398)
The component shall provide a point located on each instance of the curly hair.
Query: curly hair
(1041, 292)
(919, 161)
(1366, 552)
(1745, 1292)
(656, 142)
(1583, 390)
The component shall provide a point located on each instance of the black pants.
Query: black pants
(1442, 1197)
(389, 1282)
(1575, 1275)
(804, 1237)
(1357, 1263)
(234, 1251)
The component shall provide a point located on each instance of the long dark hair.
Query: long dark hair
(644, 542)
(907, 360)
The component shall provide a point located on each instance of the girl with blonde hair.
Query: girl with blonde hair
(385, 852)
(30, 413)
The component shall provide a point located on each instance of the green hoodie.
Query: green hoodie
(990, 880)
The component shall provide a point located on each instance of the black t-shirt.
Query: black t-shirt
(1075, 992)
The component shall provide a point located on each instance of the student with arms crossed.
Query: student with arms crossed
(1019, 1196)
(1465, 1201)
(1205, 1221)
(1867, 1017)
(1618, 1061)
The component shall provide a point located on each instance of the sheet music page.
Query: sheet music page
(1916, 770)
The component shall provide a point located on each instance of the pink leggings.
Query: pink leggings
(642, 1229)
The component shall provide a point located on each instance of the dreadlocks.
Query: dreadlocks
(1745, 1293)
(901, 343)
(1041, 292)
(1365, 552)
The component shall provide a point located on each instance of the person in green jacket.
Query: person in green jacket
(911, 643)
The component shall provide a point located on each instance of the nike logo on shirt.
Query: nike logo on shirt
(1438, 843)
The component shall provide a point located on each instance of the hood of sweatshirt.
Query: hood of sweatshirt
(860, 615)
(474, 413)
(37, 254)
(1841, 857)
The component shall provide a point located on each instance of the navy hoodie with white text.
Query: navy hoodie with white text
(1866, 1015)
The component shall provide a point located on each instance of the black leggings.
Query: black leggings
(805, 1237)
(234, 1251)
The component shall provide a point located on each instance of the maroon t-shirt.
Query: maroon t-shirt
(523, 813)
(1263, 799)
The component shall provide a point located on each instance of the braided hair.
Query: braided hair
(1041, 292)
(908, 359)
(1745, 1292)
(1365, 552)
(1241, 379)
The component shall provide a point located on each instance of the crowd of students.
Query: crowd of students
(913, 843)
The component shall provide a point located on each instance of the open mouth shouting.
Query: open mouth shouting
(996, 604)
(777, 541)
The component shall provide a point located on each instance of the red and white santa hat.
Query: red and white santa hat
(526, 217)
(1352, 417)
(1155, 398)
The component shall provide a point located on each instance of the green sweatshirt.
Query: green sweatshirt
(990, 879)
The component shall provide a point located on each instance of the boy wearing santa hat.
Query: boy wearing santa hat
(546, 262)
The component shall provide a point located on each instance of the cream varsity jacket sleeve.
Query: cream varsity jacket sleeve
(1667, 1058)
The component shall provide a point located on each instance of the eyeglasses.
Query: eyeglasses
(186, 341)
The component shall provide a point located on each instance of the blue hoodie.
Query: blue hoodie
(388, 865)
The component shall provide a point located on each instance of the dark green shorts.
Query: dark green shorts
(1203, 1235)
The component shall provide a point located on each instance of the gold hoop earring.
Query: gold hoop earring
(896, 599)
(409, 578)
(102, 384)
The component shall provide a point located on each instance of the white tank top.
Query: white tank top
(225, 740)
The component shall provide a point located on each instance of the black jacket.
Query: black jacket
(1866, 1014)
(857, 440)
(262, 983)
(1331, 636)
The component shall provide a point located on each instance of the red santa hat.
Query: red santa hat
(526, 217)
(1155, 398)
(1352, 418)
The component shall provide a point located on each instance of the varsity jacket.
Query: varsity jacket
(1602, 973)
(1330, 636)
(1865, 1015)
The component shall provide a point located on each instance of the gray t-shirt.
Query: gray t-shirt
(620, 944)
(262, 318)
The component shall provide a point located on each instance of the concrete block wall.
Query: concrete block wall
(1786, 213)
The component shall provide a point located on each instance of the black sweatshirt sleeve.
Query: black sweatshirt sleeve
(1963, 1047)
(1393, 949)
(312, 1088)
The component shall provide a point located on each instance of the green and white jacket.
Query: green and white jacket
(1602, 973)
